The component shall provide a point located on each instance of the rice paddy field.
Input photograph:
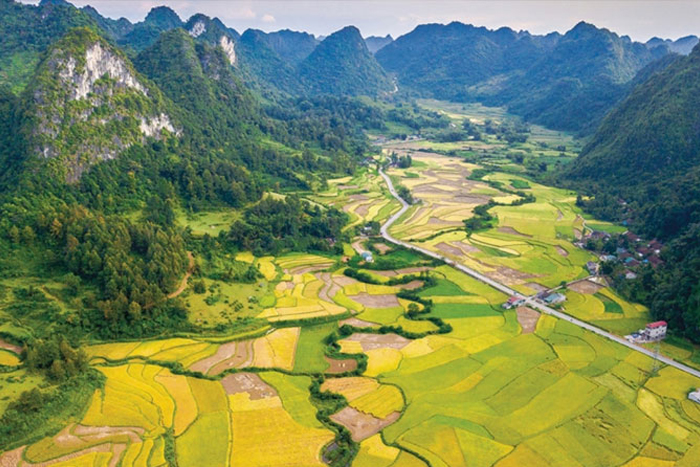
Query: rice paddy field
(363, 197)
(530, 246)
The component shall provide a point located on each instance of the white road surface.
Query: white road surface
(529, 301)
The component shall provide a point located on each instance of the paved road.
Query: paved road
(529, 301)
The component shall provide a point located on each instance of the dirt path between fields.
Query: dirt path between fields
(188, 274)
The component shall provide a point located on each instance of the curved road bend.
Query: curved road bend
(529, 301)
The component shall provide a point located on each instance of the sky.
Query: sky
(640, 20)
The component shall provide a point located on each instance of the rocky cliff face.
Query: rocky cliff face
(88, 104)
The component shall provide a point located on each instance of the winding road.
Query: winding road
(529, 301)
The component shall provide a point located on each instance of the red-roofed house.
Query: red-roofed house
(656, 330)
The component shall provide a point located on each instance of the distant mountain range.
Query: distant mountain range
(566, 82)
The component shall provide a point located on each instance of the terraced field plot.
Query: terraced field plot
(363, 197)
(529, 248)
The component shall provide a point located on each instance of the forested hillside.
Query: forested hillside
(564, 82)
(643, 164)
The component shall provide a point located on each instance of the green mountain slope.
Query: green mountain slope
(342, 65)
(27, 31)
(647, 153)
(86, 103)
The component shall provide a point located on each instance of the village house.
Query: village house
(695, 396)
(513, 302)
(555, 299)
(367, 257)
(592, 267)
(656, 330)
(629, 275)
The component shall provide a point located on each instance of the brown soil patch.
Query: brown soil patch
(537, 287)
(465, 247)
(375, 301)
(527, 317)
(449, 249)
(438, 221)
(328, 286)
(92, 434)
(379, 341)
(358, 197)
(357, 323)
(560, 215)
(347, 187)
(585, 287)
(512, 231)
(305, 269)
(229, 355)
(357, 246)
(412, 285)
(340, 366)
(562, 251)
(383, 248)
(577, 234)
(242, 358)
(282, 286)
(250, 383)
(343, 281)
(362, 425)
(470, 200)
(510, 275)
(363, 209)
(12, 458)
(11, 347)
(431, 189)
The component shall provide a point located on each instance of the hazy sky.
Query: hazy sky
(640, 20)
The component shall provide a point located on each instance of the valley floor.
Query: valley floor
(400, 362)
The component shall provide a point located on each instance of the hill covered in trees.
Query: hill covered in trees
(643, 165)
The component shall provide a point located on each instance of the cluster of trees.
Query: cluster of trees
(56, 358)
(274, 225)
(402, 162)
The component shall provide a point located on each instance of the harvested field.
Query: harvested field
(535, 286)
(11, 347)
(229, 355)
(361, 425)
(250, 383)
(383, 248)
(509, 275)
(12, 458)
(562, 251)
(375, 301)
(358, 323)
(344, 281)
(412, 285)
(527, 318)
(512, 231)
(340, 366)
(379, 341)
(585, 287)
(449, 249)
(347, 187)
(305, 269)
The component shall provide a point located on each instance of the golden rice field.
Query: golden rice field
(531, 245)
(363, 197)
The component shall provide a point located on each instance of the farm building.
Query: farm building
(592, 267)
(555, 299)
(513, 301)
(367, 256)
(629, 275)
(656, 330)
(695, 396)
